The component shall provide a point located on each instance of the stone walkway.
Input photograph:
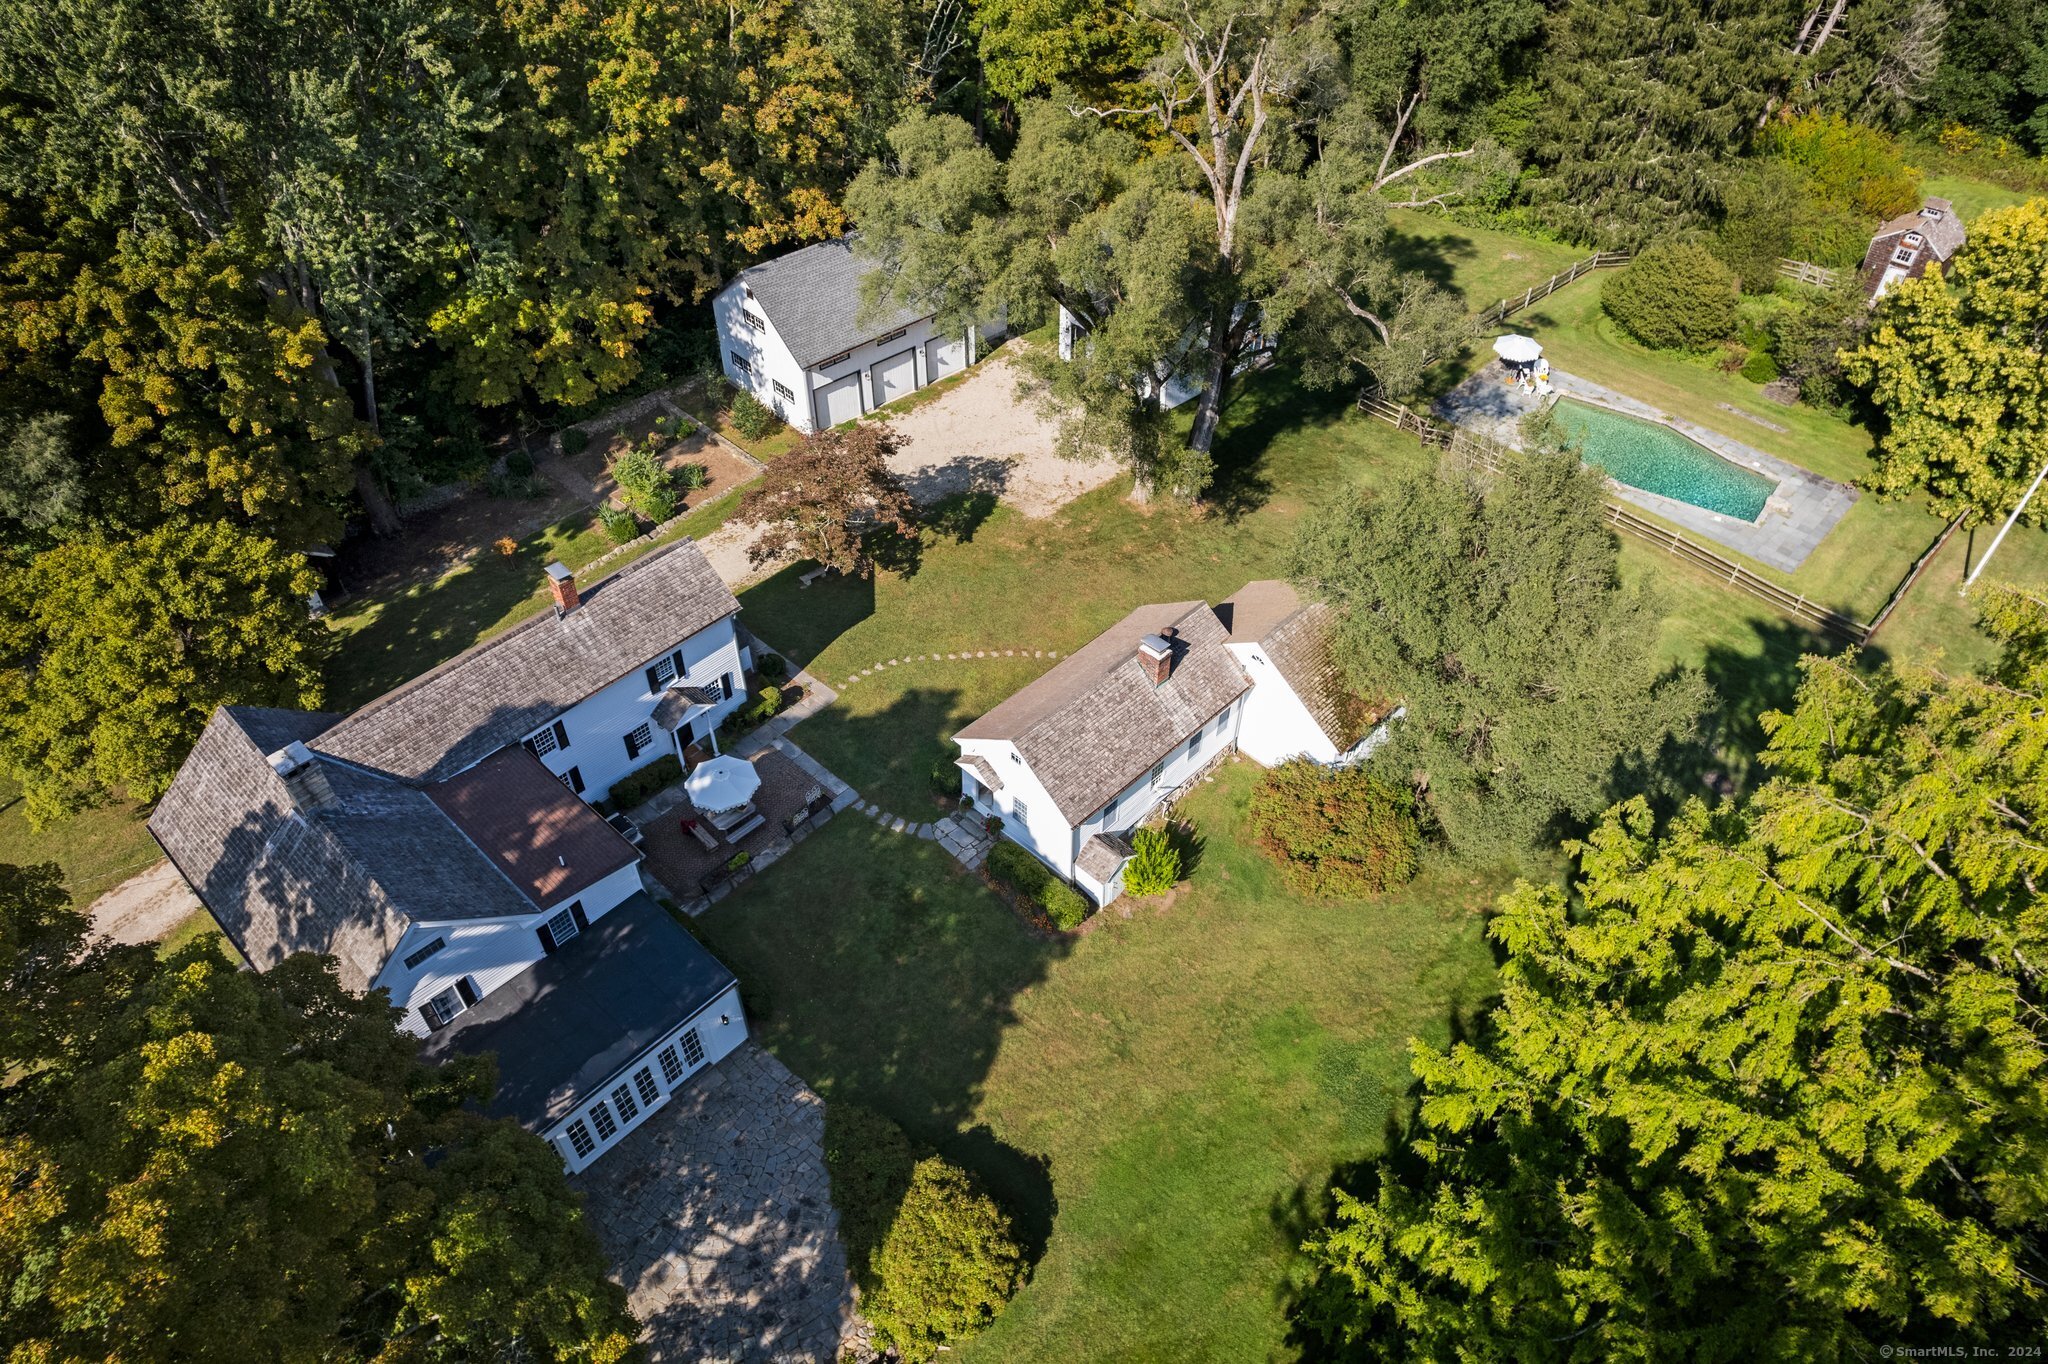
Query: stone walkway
(965, 655)
(960, 834)
(1797, 518)
(717, 1217)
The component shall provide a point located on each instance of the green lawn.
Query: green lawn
(1480, 264)
(1160, 1099)
(98, 849)
(1971, 197)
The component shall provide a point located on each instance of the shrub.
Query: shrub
(870, 1161)
(738, 860)
(768, 701)
(1759, 368)
(1674, 296)
(1335, 832)
(945, 779)
(519, 462)
(619, 524)
(644, 484)
(1807, 342)
(636, 786)
(946, 1266)
(691, 477)
(1154, 866)
(773, 667)
(750, 417)
(575, 441)
(1851, 166)
(1016, 868)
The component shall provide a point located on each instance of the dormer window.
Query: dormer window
(1932, 215)
(1915, 239)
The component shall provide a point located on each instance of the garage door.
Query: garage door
(839, 402)
(945, 357)
(895, 377)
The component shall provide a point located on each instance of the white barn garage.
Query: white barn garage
(790, 332)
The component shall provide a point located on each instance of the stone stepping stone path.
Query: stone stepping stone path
(963, 656)
(961, 835)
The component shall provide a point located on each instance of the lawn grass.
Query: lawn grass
(198, 926)
(1971, 197)
(98, 849)
(1481, 265)
(1160, 1100)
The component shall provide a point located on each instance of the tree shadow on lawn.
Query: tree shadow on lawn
(799, 621)
(893, 756)
(1266, 406)
(1434, 258)
(887, 975)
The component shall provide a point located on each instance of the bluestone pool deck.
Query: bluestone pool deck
(1793, 522)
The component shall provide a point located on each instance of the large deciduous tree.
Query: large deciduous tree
(832, 499)
(113, 653)
(1531, 676)
(1957, 362)
(200, 1162)
(1771, 1082)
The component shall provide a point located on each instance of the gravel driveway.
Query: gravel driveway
(980, 435)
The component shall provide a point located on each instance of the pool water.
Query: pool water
(1657, 459)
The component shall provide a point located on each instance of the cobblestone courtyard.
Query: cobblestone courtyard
(717, 1217)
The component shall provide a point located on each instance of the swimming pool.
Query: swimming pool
(1657, 459)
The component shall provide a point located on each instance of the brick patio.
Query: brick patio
(717, 1217)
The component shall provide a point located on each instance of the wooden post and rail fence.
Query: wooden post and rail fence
(1493, 457)
(1806, 272)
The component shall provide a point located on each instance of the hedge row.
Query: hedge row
(1028, 876)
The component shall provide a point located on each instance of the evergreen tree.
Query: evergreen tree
(1532, 678)
(205, 1163)
(1771, 1083)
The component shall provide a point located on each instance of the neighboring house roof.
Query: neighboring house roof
(347, 879)
(1296, 636)
(1101, 855)
(544, 839)
(505, 688)
(812, 298)
(624, 982)
(1094, 723)
(1943, 230)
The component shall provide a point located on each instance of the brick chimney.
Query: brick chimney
(1155, 656)
(304, 778)
(563, 584)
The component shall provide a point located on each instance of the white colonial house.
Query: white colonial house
(791, 332)
(1075, 761)
(437, 844)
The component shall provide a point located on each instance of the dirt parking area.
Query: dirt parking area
(980, 435)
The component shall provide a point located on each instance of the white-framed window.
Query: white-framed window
(642, 738)
(607, 1126)
(1158, 771)
(442, 1009)
(740, 362)
(579, 1138)
(783, 390)
(643, 1080)
(414, 958)
(623, 1098)
(543, 743)
(896, 335)
(563, 927)
(752, 320)
(1195, 743)
(693, 1048)
(671, 1065)
(838, 359)
(664, 672)
(1019, 811)
(1904, 255)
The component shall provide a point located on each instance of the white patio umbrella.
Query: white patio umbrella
(722, 784)
(1517, 349)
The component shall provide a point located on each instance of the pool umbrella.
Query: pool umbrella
(722, 784)
(1517, 349)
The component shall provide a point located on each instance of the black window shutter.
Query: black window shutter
(677, 659)
(654, 679)
(576, 913)
(547, 940)
(561, 735)
(632, 747)
(725, 686)
(467, 991)
(531, 747)
(575, 776)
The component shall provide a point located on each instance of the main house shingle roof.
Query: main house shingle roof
(812, 299)
(421, 822)
(1095, 723)
(505, 688)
